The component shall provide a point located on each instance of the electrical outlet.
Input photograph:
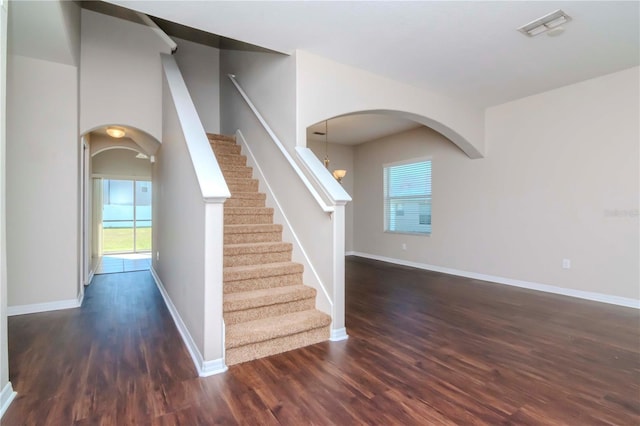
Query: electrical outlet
(404, 246)
(157, 255)
(566, 263)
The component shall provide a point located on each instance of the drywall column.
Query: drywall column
(6, 390)
(189, 194)
(213, 289)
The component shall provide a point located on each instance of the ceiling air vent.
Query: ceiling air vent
(550, 22)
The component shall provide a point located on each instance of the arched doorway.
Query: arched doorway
(117, 200)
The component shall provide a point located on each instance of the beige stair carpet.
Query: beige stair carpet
(267, 308)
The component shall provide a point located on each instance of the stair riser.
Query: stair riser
(244, 202)
(246, 185)
(275, 346)
(257, 258)
(258, 237)
(248, 219)
(226, 148)
(269, 311)
(232, 160)
(239, 172)
(262, 283)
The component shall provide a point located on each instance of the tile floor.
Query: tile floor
(125, 262)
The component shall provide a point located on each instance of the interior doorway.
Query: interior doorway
(124, 224)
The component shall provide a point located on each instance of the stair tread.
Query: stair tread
(266, 297)
(249, 195)
(252, 228)
(249, 210)
(261, 270)
(240, 179)
(262, 247)
(273, 327)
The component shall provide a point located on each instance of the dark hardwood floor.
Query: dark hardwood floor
(425, 349)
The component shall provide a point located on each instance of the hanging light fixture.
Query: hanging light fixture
(326, 144)
(115, 132)
(337, 174)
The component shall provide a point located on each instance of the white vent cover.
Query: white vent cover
(544, 24)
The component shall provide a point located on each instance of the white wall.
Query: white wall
(120, 74)
(269, 79)
(560, 180)
(42, 181)
(327, 89)
(120, 163)
(341, 157)
(200, 66)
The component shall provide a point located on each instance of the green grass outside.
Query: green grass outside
(115, 240)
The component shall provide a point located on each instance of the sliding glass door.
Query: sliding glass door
(126, 216)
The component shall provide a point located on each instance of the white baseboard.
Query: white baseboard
(597, 297)
(338, 334)
(6, 397)
(46, 307)
(351, 253)
(205, 368)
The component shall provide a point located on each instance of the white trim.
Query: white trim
(338, 334)
(307, 261)
(90, 277)
(323, 177)
(6, 397)
(588, 295)
(46, 306)
(204, 368)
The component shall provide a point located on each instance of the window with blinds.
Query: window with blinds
(407, 197)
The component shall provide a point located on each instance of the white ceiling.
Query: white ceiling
(468, 50)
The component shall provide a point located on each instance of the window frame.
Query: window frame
(386, 198)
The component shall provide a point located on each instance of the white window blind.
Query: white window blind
(407, 197)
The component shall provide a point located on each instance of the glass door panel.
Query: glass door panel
(117, 216)
(143, 216)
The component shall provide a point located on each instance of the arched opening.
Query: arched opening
(116, 189)
(355, 143)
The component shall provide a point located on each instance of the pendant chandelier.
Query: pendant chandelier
(337, 174)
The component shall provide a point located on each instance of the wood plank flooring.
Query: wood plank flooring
(424, 349)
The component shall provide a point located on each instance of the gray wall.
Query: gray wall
(560, 181)
(42, 181)
(178, 215)
(4, 349)
(120, 74)
(200, 65)
(120, 163)
(269, 80)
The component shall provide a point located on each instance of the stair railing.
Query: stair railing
(330, 187)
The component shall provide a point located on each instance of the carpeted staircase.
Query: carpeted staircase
(267, 309)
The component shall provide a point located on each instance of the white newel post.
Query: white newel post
(338, 330)
(213, 322)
